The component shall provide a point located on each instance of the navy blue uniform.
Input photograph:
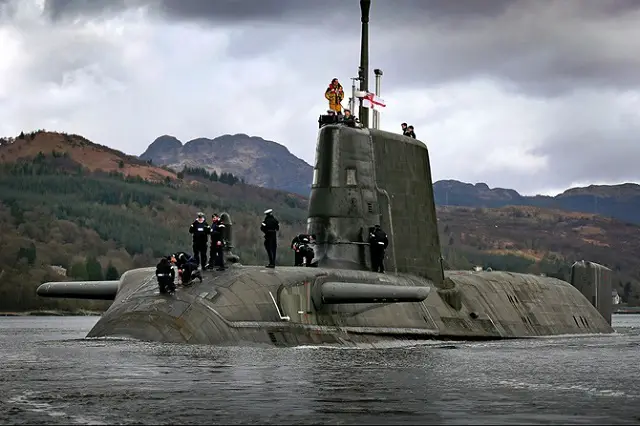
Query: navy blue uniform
(165, 276)
(302, 249)
(200, 232)
(216, 252)
(378, 243)
(270, 227)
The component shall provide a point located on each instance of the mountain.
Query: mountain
(92, 156)
(71, 209)
(618, 201)
(258, 161)
(271, 165)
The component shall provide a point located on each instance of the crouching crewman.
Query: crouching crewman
(165, 276)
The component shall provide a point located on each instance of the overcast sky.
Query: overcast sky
(536, 95)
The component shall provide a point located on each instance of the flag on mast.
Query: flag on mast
(370, 100)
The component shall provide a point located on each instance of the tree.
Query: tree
(627, 292)
(111, 273)
(94, 269)
(78, 270)
(28, 253)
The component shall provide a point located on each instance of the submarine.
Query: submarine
(362, 176)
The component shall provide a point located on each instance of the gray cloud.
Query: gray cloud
(60, 10)
(277, 10)
(595, 137)
(537, 88)
(543, 47)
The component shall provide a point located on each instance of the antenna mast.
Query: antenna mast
(363, 71)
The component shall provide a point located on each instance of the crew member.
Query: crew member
(410, 132)
(269, 228)
(200, 230)
(216, 257)
(187, 268)
(302, 249)
(349, 119)
(404, 129)
(335, 95)
(165, 276)
(378, 243)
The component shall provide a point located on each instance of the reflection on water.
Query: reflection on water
(52, 375)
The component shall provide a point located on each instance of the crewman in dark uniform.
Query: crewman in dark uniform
(165, 276)
(270, 228)
(378, 243)
(187, 268)
(216, 257)
(348, 119)
(200, 230)
(302, 249)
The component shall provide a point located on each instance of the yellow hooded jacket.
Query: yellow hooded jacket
(334, 95)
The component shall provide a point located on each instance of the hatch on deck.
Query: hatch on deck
(326, 119)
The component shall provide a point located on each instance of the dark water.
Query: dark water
(50, 375)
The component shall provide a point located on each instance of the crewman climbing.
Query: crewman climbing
(303, 253)
(335, 95)
(187, 268)
(270, 228)
(200, 230)
(216, 257)
(165, 276)
(378, 243)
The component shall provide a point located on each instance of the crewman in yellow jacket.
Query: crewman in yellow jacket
(335, 95)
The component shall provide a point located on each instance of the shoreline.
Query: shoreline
(628, 311)
(52, 313)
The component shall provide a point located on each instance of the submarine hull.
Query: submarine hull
(287, 306)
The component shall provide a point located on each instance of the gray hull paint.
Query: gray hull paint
(236, 307)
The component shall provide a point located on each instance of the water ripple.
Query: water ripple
(51, 374)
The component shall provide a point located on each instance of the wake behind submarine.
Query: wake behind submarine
(362, 176)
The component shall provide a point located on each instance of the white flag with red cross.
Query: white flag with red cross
(370, 100)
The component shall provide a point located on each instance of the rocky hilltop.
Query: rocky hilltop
(258, 161)
(619, 201)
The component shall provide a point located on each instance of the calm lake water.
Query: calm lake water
(51, 375)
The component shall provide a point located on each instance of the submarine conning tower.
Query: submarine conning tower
(363, 177)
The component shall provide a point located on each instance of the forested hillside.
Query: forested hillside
(55, 211)
(536, 240)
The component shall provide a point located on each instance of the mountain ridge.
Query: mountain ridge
(269, 164)
(55, 210)
(620, 201)
(258, 161)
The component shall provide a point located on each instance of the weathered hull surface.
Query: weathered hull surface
(236, 307)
